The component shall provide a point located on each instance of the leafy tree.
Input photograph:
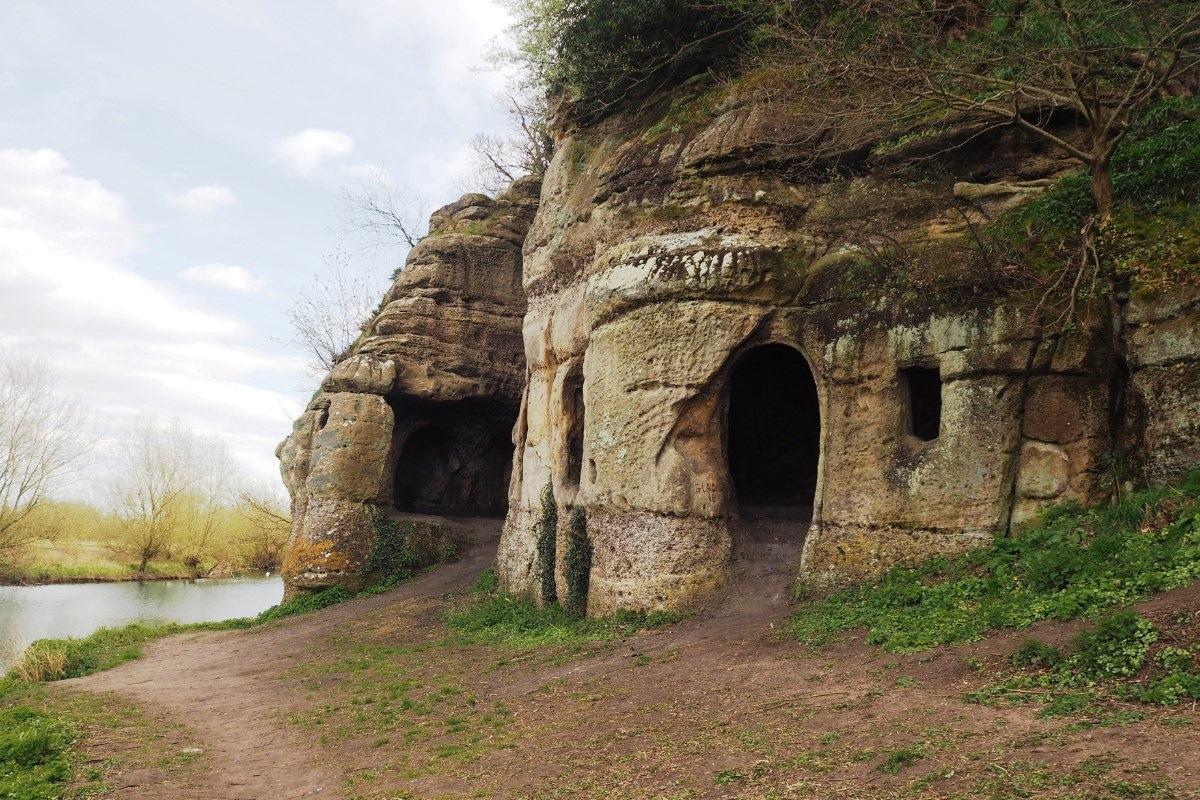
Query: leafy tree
(611, 53)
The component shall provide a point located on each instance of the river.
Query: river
(28, 613)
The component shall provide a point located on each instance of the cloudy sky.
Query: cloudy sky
(171, 173)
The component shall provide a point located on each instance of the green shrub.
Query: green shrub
(547, 546)
(577, 562)
(1074, 563)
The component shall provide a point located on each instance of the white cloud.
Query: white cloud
(122, 343)
(222, 276)
(204, 200)
(303, 153)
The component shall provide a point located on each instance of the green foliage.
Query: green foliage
(306, 603)
(56, 659)
(1114, 659)
(611, 53)
(1073, 563)
(34, 751)
(392, 557)
(491, 617)
(547, 545)
(577, 563)
(1116, 648)
(1155, 230)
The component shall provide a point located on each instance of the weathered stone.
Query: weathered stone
(1045, 471)
(418, 417)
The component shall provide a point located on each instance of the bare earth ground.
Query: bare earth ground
(374, 699)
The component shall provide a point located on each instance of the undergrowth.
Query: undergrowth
(1124, 657)
(489, 616)
(56, 659)
(35, 751)
(1073, 563)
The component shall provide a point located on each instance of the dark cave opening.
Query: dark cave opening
(923, 400)
(774, 432)
(458, 462)
(574, 411)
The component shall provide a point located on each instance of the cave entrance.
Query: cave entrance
(774, 434)
(454, 469)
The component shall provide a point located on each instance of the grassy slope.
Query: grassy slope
(1075, 563)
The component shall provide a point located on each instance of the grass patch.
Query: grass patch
(1122, 658)
(1074, 563)
(492, 617)
(34, 750)
(56, 659)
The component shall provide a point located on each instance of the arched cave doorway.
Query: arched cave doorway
(774, 433)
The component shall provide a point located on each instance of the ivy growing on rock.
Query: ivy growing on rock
(547, 533)
(578, 562)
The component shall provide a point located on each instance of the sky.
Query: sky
(171, 173)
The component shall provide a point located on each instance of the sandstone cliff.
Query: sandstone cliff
(721, 326)
(418, 416)
(681, 254)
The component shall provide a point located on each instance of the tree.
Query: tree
(268, 526)
(1026, 63)
(610, 54)
(165, 484)
(328, 314)
(44, 439)
(387, 215)
(526, 149)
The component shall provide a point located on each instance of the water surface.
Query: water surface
(28, 613)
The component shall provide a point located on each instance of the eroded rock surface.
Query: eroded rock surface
(417, 418)
(664, 257)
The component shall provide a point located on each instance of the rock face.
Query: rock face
(418, 416)
(708, 340)
(719, 327)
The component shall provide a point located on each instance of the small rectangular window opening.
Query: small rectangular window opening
(923, 393)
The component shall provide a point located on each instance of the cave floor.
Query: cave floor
(374, 699)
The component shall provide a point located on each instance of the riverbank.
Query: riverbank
(46, 563)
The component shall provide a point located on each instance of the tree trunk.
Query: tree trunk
(1102, 190)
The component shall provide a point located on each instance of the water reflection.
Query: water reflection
(28, 613)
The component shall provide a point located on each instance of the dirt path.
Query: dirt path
(226, 688)
(371, 700)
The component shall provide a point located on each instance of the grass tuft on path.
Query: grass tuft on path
(1073, 563)
(489, 616)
